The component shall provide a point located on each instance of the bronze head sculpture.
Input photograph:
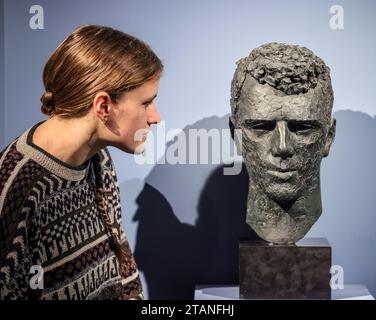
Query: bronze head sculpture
(281, 102)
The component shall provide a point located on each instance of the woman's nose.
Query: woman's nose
(154, 116)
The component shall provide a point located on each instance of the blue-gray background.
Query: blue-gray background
(184, 221)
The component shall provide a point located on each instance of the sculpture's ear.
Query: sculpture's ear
(231, 124)
(233, 129)
(330, 137)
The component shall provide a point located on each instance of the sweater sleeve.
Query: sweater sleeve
(14, 257)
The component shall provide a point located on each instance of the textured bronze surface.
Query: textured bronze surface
(281, 102)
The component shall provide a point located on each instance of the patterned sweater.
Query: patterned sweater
(53, 242)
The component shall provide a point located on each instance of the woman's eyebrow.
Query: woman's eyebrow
(151, 99)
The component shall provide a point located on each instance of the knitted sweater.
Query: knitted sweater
(53, 242)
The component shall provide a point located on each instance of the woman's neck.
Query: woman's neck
(72, 141)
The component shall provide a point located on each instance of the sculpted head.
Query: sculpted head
(281, 102)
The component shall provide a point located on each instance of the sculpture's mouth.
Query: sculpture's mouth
(282, 174)
(282, 167)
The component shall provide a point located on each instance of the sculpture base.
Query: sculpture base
(300, 271)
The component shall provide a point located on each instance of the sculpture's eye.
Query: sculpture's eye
(301, 126)
(261, 125)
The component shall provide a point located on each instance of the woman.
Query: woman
(60, 215)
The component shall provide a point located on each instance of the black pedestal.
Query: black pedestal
(300, 271)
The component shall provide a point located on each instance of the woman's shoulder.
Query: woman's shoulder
(10, 156)
(17, 171)
(18, 175)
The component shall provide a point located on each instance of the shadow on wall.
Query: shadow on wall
(349, 198)
(190, 217)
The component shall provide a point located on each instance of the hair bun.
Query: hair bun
(48, 104)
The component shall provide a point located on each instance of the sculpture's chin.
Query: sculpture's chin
(283, 194)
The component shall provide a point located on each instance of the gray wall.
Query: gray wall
(185, 208)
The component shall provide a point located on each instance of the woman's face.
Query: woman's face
(132, 116)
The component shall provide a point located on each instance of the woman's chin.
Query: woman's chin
(139, 149)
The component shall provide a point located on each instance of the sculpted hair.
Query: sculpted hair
(92, 59)
(291, 69)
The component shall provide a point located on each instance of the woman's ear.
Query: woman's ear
(102, 105)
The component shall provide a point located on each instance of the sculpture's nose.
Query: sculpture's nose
(281, 141)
